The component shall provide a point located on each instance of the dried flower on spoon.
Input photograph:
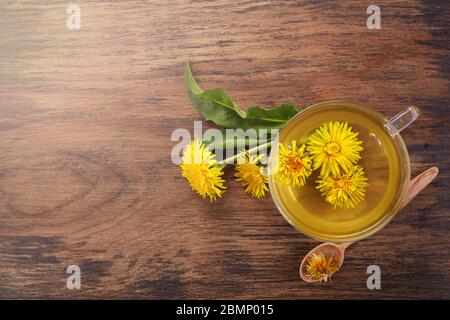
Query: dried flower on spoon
(321, 267)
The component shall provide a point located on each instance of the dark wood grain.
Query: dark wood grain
(85, 124)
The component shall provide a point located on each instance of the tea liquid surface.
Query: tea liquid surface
(306, 206)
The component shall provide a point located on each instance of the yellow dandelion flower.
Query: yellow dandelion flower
(198, 168)
(294, 166)
(345, 190)
(334, 146)
(321, 267)
(250, 174)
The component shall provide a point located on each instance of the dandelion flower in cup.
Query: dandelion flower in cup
(334, 146)
(294, 166)
(249, 172)
(321, 267)
(345, 190)
(198, 168)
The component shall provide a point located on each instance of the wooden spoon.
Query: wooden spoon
(337, 250)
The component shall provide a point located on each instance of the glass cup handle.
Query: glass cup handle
(402, 120)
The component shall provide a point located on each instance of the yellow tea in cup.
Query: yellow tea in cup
(386, 166)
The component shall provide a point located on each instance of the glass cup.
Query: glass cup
(385, 160)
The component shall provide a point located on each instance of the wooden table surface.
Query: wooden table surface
(85, 123)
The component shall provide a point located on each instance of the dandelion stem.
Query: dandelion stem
(231, 159)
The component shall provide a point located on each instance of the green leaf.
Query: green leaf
(236, 143)
(217, 106)
(234, 140)
(280, 114)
